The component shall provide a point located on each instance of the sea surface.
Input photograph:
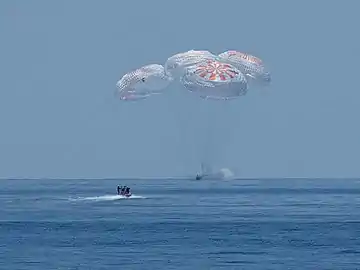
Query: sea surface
(180, 224)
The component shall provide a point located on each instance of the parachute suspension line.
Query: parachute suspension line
(211, 117)
(182, 116)
(206, 132)
(226, 132)
(218, 130)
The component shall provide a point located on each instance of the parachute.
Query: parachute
(214, 80)
(251, 66)
(143, 82)
(222, 77)
(175, 66)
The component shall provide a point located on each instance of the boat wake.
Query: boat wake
(107, 198)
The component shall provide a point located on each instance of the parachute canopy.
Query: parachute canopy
(143, 82)
(251, 66)
(175, 65)
(212, 79)
(224, 76)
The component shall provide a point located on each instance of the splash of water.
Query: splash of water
(107, 198)
(227, 173)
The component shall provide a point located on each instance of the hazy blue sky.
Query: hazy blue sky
(60, 60)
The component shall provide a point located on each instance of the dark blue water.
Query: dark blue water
(180, 224)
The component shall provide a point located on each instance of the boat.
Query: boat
(205, 172)
(124, 192)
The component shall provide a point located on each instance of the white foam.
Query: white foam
(107, 198)
(227, 173)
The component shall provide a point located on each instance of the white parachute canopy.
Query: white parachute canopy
(143, 82)
(175, 65)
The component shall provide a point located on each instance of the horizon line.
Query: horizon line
(178, 178)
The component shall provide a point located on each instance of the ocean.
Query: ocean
(180, 224)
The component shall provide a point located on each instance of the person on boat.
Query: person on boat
(118, 189)
(123, 190)
(127, 192)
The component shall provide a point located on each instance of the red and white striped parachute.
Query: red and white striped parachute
(215, 80)
(251, 66)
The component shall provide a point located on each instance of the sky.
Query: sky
(60, 61)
